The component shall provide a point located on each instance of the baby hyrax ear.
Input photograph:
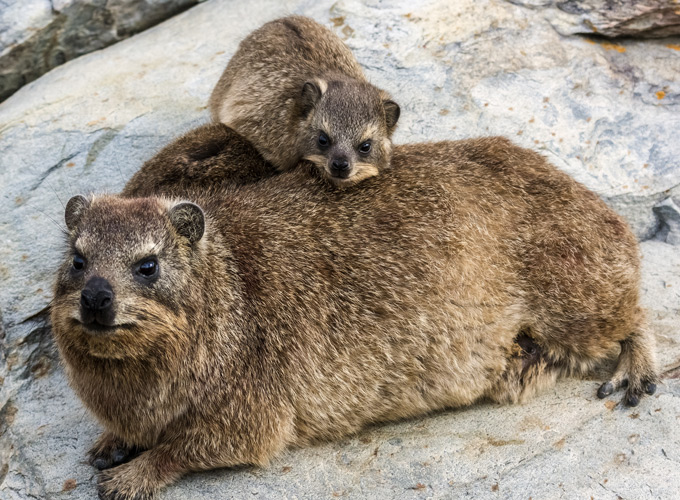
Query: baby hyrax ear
(75, 208)
(392, 112)
(311, 93)
(188, 220)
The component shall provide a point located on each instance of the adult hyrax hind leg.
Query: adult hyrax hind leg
(528, 371)
(635, 369)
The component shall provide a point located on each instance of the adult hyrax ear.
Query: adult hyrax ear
(311, 93)
(75, 208)
(392, 112)
(188, 220)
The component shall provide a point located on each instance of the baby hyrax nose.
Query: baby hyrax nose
(97, 296)
(340, 167)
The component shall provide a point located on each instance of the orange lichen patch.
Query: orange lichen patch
(94, 122)
(520, 132)
(660, 94)
(69, 484)
(607, 45)
(509, 109)
(610, 405)
(560, 444)
(408, 16)
(504, 442)
(70, 164)
(613, 46)
(444, 112)
(486, 104)
(673, 46)
(494, 487)
(338, 21)
(347, 31)
(532, 120)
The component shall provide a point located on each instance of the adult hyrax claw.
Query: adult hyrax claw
(605, 390)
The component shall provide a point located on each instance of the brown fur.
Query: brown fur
(474, 270)
(203, 159)
(292, 79)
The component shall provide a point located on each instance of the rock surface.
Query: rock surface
(611, 18)
(606, 113)
(38, 35)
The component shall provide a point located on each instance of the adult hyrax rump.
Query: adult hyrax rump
(281, 312)
(295, 90)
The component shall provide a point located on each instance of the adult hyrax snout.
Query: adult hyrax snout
(97, 310)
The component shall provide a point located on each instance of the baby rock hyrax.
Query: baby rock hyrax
(211, 330)
(294, 90)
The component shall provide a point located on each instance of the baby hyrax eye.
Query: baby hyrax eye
(365, 148)
(78, 262)
(148, 268)
(323, 140)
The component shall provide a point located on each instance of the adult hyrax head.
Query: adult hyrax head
(120, 290)
(347, 128)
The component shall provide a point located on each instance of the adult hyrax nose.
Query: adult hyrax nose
(340, 167)
(97, 296)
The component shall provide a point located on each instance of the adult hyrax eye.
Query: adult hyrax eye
(365, 148)
(147, 269)
(323, 140)
(78, 262)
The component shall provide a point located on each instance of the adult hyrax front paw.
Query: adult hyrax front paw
(110, 451)
(125, 482)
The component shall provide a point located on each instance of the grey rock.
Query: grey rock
(607, 114)
(611, 18)
(38, 35)
(669, 213)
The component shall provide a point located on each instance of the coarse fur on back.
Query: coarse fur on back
(211, 328)
(295, 90)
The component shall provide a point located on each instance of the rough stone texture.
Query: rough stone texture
(38, 35)
(669, 214)
(611, 18)
(605, 113)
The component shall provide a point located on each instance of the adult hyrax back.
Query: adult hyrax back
(282, 312)
(294, 90)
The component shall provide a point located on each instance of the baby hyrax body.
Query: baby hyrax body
(211, 330)
(294, 90)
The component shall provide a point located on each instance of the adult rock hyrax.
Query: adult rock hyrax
(210, 330)
(294, 90)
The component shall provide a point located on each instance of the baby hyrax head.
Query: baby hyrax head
(123, 288)
(347, 128)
